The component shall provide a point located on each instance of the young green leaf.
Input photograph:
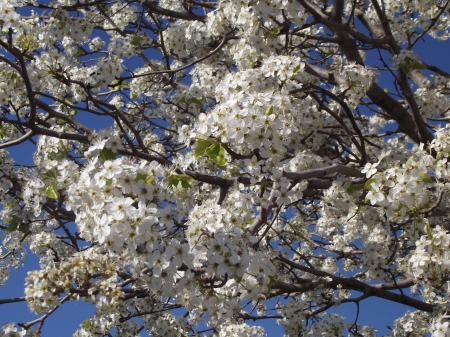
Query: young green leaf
(425, 178)
(220, 158)
(24, 228)
(13, 224)
(369, 183)
(108, 154)
(136, 40)
(428, 230)
(418, 65)
(140, 176)
(175, 179)
(51, 174)
(213, 151)
(51, 191)
(355, 188)
(202, 145)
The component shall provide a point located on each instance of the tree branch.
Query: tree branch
(353, 284)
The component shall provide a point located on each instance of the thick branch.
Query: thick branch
(379, 97)
(47, 108)
(18, 141)
(13, 300)
(155, 8)
(322, 172)
(354, 284)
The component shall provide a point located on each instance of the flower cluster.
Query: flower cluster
(10, 330)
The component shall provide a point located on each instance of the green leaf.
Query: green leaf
(217, 154)
(185, 184)
(108, 154)
(296, 68)
(276, 31)
(428, 230)
(409, 162)
(13, 224)
(220, 159)
(269, 111)
(175, 179)
(79, 53)
(14, 79)
(425, 178)
(369, 183)
(147, 178)
(197, 101)
(62, 25)
(355, 188)
(237, 279)
(404, 67)
(213, 151)
(202, 145)
(86, 324)
(51, 191)
(24, 228)
(119, 84)
(136, 41)
(140, 176)
(51, 174)
(346, 185)
(418, 65)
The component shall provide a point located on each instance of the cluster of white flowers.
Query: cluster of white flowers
(218, 236)
(293, 313)
(11, 89)
(431, 255)
(251, 116)
(120, 14)
(105, 214)
(10, 330)
(169, 325)
(10, 17)
(44, 286)
(440, 326)
(406, 59)
(241, 330)
(359, 79)
(412, 323)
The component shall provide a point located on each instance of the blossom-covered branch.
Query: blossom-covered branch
(194, 160)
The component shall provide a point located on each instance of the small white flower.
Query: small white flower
(369, 169)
